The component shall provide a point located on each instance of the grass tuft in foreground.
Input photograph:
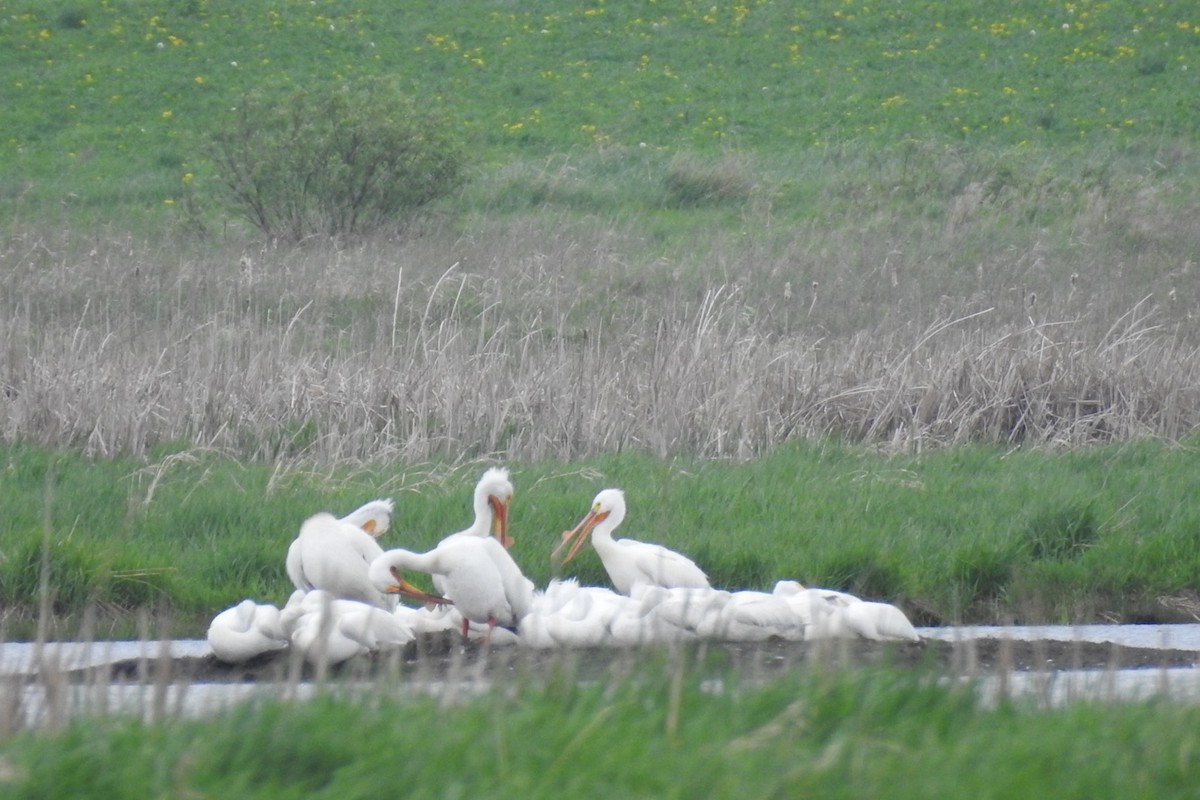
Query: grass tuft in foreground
(660, 730)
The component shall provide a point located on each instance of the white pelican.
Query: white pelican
(833, 614)
(434, 618)
(629, 563)
(684, 607)
(247, 630)
(632, 627)
(430, 618)
(333, 554)
(328, 629)
(489, 535)
(492, 496)
(466, 567)
(758, 616)
(567, 614)
(374, 517)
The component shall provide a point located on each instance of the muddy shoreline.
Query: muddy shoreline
(448, 658)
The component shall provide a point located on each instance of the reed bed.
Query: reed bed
(542, 345)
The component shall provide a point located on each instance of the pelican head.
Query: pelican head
(494, 492)
(609, 503)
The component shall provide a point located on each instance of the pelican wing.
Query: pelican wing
(656, 565)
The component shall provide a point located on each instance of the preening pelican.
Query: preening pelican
(333, 554)
(466, 568)
(247, 630)
(374, 517)
(492, 496)
(833, 614)
(629, 563)
(487, 535)
(329, 629)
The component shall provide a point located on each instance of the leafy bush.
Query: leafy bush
(334, 161)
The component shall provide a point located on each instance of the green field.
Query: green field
(105, 103)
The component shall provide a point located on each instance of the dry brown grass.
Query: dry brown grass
(560, 338)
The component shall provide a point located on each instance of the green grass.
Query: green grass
(104, 104)
(660, 731)
(973, 534)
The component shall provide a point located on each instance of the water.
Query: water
(21, 657)
(1178, 637)
(48, 704)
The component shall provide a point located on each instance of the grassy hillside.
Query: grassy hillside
(104, 103)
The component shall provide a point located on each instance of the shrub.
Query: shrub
(692, 182)
(334, 161)
(72, 19)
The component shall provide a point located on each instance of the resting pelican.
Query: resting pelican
(247, 630)
(632, 627)
(629, 563)
(333, 554)
(719, 615)
(329, 629)
(567, 614)
(832, 614)
(684, 607)
(758, 616)
(433, 619)
(470, 574)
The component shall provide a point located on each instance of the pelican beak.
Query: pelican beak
(500, 520)
(405, 588)
(579, 534)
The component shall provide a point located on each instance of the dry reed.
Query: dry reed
(537, 344)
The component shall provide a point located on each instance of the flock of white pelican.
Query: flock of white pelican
(346, 600)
